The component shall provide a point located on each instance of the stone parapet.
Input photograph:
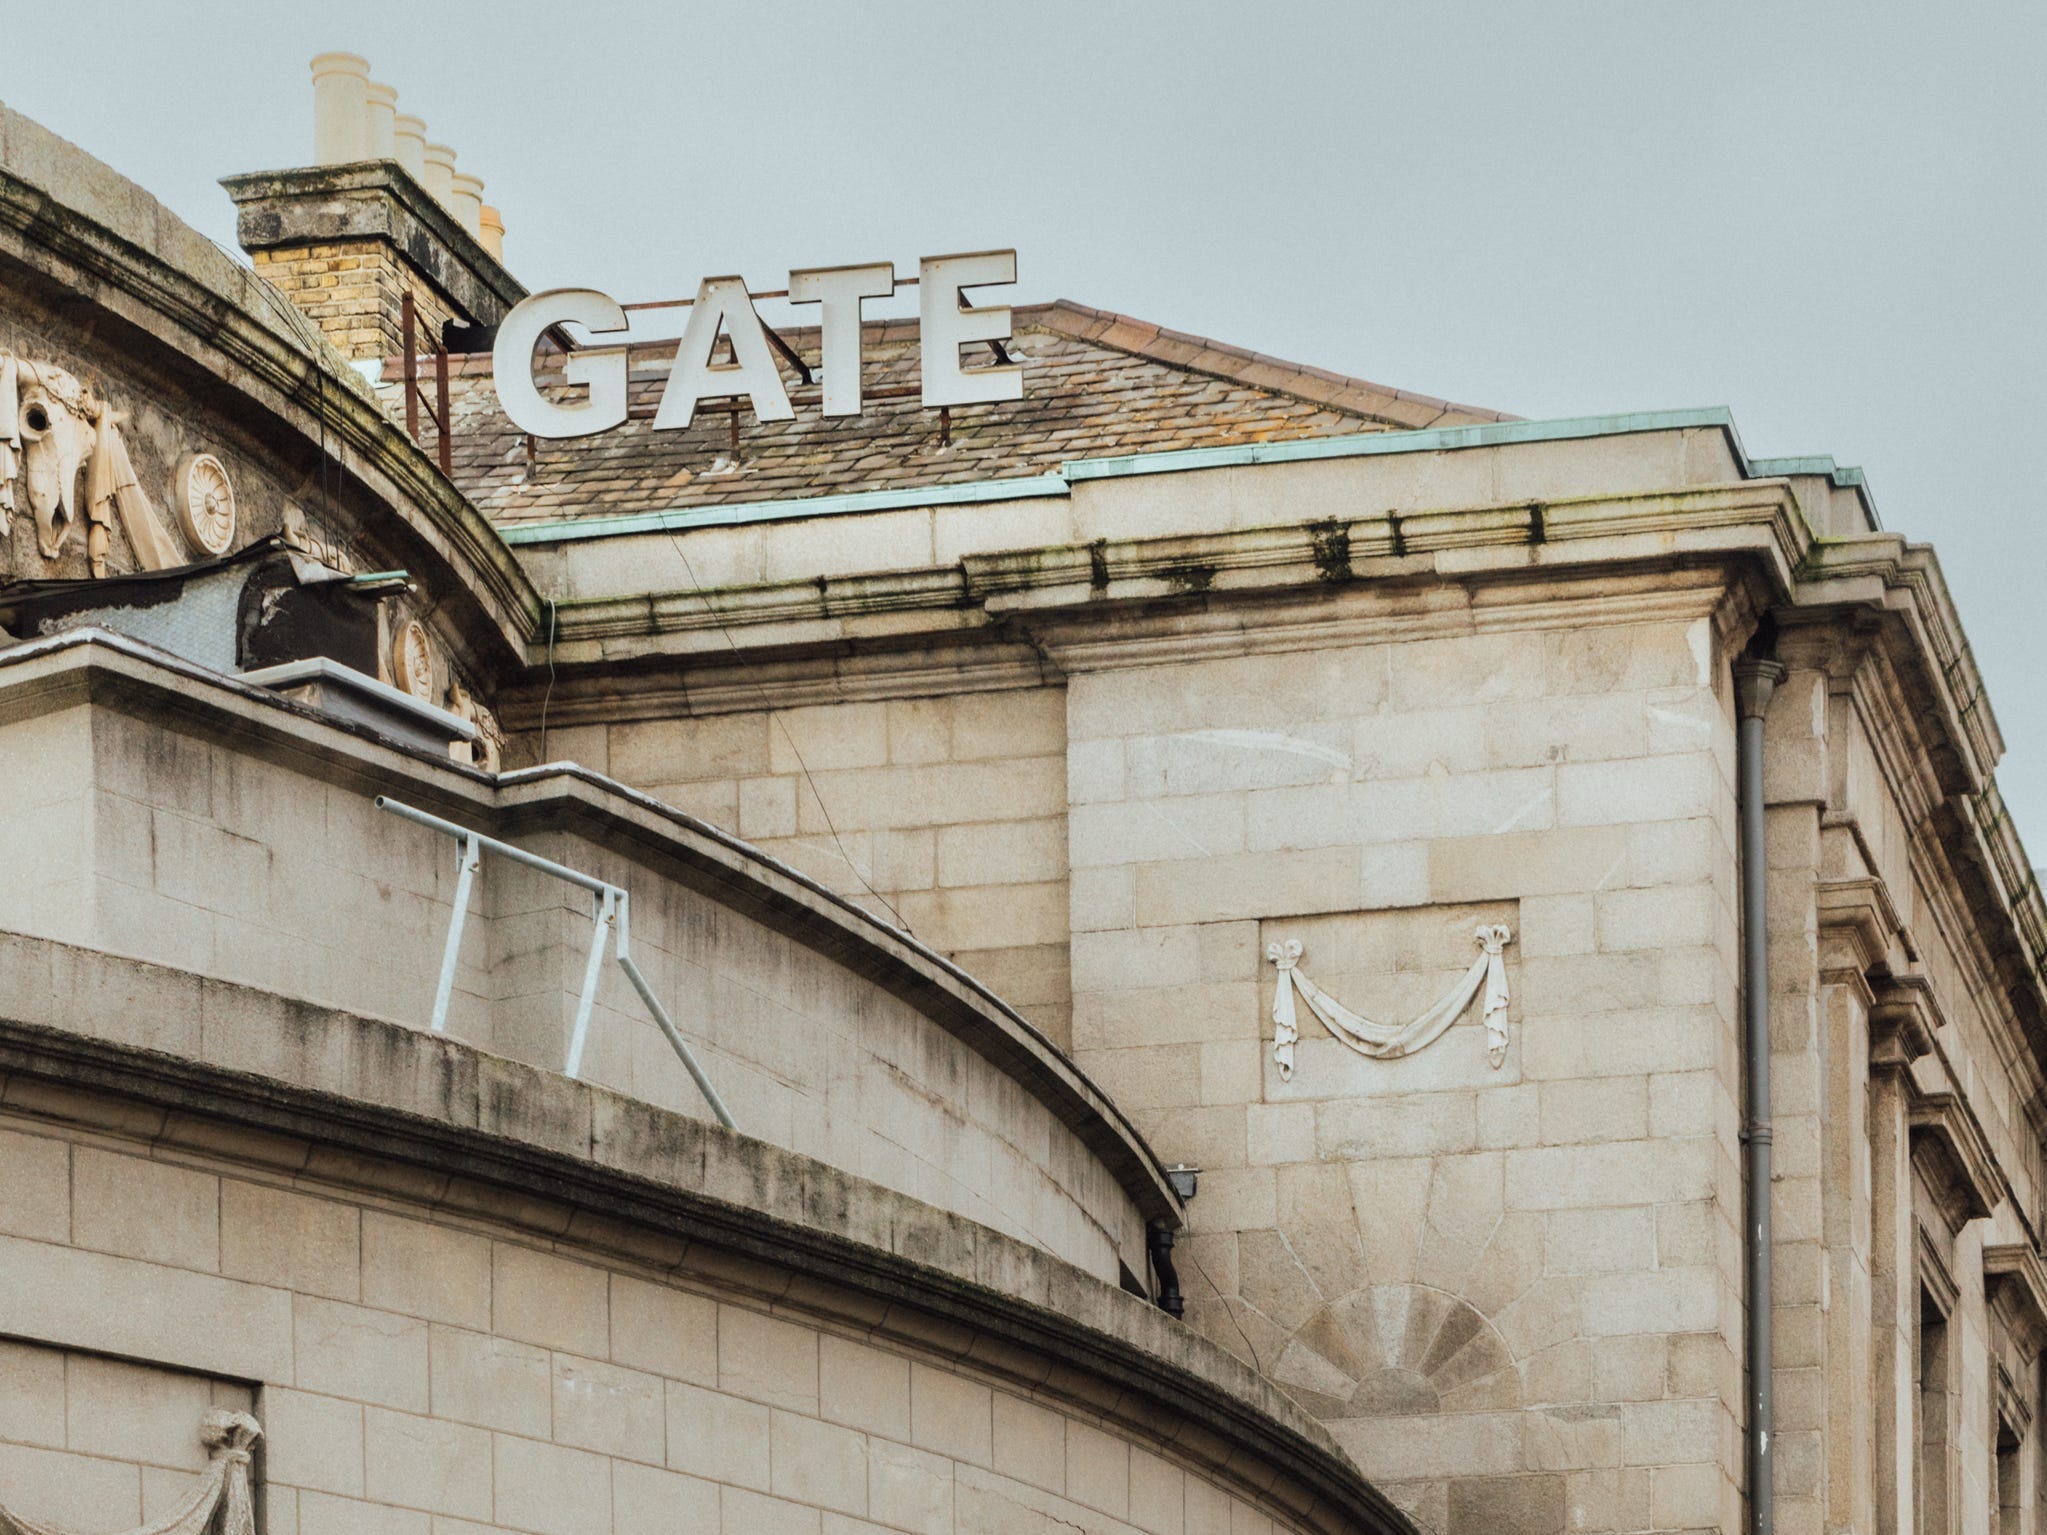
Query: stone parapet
(825, 1029)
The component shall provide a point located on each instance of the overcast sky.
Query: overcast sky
(1828, 217)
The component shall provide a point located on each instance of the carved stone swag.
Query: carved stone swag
(222, 1504)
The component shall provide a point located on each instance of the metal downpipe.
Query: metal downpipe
(1754, 682)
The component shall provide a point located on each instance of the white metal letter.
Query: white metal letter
(945, 328)
(840, 289)
(600, 369)
(722, 301)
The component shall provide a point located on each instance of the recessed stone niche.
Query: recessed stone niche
(1391, 966)
(97, 1445)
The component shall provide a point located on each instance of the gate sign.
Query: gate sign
(723, 306)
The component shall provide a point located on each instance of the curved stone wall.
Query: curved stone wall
(209, 826)
(194, 352)
(452, 1304)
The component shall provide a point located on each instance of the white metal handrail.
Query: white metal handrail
(611, 914)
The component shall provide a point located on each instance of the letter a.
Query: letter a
(722, 302)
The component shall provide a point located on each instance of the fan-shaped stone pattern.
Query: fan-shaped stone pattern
(1397, 1350)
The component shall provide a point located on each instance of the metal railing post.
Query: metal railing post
(675, 1039)
(471, 856)
(612, 914)
(600, 931)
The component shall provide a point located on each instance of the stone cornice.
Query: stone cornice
(1369, 615)
(1883, 571)
(1490, 550)
(1874, 614)
(1858, 926)
(1497, 552)
(977, 663)
(1936, 1274)
(133, 261)
(1904, 1019)
(2016, 1281)
(1952, 1155)
(1912, 1051)
(979, 653)
(345, 1099)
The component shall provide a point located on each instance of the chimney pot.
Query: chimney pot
(440, 173)
(340, 107)
(492, 231)
(380, 120)
(410, 133)
(466, 202)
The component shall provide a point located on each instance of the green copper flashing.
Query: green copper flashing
(1300, 450)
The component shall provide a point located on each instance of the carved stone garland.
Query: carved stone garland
(1384, 1041)
(224, 1491)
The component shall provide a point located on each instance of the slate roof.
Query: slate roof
(1096, 385)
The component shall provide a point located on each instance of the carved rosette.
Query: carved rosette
(412, 662)
(206, 504)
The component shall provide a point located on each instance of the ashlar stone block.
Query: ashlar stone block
(818, 1463)
(427, 1463)
(649, 1501)
(608, 1409)
(274, 1236)
(494, 1382)
(425, 1270)
(671, 1332)
(548, 1489)
(32, 1405)
(322, 1513)
(312, 1441)
(1158, 1494)
(1029, 1442)
(539, 1298)
(1097, 1469)
(139, 1208)
(909, 1490)
(767, 1359)
(35, 1187)
(80, 1491)
(718, 1437)
(353, 1351)
(125, 1411)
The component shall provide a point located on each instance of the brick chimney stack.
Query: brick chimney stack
(379, 214)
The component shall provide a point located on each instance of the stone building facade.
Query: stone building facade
(1006, 799)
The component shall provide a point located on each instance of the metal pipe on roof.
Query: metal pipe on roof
(1755, 679)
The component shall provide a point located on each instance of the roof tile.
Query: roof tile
(1098, 383)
